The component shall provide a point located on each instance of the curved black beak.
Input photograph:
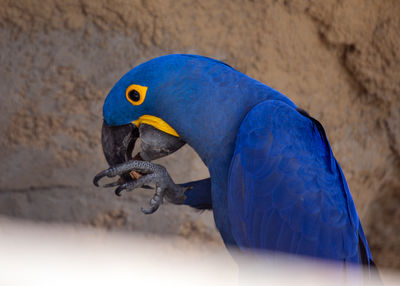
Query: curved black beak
(118, 142)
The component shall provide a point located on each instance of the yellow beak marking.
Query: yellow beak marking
(157, 123)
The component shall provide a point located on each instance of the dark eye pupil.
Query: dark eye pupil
(134, 95)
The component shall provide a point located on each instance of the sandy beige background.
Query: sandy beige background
(338, 59)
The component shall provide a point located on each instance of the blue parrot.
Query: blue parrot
(274, 182)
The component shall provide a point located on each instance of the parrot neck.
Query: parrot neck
(212, 130)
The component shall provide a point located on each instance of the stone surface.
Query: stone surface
(337, 59)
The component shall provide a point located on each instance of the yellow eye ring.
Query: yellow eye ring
(136, 94)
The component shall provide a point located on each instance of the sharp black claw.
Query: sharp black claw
(99, 176)
(118, 191)
(96, 180)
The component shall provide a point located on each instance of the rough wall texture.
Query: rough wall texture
(338, 59)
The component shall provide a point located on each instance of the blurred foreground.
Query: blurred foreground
(38, 254)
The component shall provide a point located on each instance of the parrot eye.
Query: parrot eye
(135, 94)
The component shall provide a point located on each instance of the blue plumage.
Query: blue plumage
(286, 191)
(274, 183)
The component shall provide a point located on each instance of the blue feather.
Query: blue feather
(296, 198)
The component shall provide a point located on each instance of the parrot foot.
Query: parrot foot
(151, 174)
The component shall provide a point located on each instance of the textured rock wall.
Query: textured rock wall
(338, 59)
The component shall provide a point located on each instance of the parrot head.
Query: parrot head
(131, 111)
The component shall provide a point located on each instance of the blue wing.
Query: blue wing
(287, 192)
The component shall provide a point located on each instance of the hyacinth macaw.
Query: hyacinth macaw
(274, 182)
